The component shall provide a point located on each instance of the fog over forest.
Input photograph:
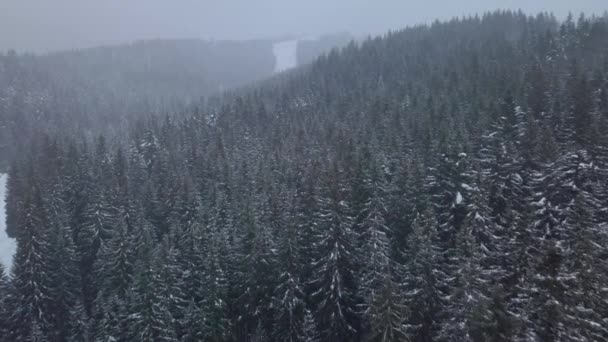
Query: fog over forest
(303, 171)
(40, 26)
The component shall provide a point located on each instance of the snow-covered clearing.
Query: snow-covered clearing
(285, 55)
(7, 245)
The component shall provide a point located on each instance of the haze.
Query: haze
(40, 26)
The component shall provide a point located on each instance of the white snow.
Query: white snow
(467, 187)
(7, 245)
(458, 198)
(518, 178)
(285, 55)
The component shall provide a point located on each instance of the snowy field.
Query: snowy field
(285, 54)
(7, 246)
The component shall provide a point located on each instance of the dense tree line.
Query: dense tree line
(102, 89)
(441, 183)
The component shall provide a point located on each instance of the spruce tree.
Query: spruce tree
(289, 298)
(5, 304)
(32, 278)
(335, 295)
(388, 314)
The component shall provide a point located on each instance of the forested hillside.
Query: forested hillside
(103, 89)
(441, 183)
(100, 89)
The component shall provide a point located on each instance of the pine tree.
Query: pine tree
(476, 307)
(65, 289)
(31, 273)
(425, 283)
(305, 207)
(94, 225)
(5, 308)
(113, 321)
(334, 279)
(259, 334)
(549, 302)
(190, 293)
(585, 308)
(468, 293)
(78, 324)
(257, 271)
(501, 166)
(375, 236)
(289, 298)
(192, 329)
(115, 264)
(404, 202)
(309, 328)
(520, 271)
(388, 314)
(149, 315)
(217, 325)
(448, 186)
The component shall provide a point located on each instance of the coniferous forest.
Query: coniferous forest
(446, 182)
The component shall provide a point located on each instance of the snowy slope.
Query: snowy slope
(285, 55)
(7, 245)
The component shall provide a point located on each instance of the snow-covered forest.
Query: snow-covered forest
(104, 89)
(445, 182)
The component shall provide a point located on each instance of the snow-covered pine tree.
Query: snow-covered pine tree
(585, 305)
(520, 271)
(32, 273)
(467, 294)
(37, 334)
(375, 249)
(598, 150)
(425, 282)
(476, 308)
(5, 305)
(289, 299)
(191, 322)
(382, 307)
(66, 290)
(550, 285)
(404, 202)
(501, 166)
(16, 189)
(149, 312)
(188, 258)
(306, 201)
(79, 324)
(447, 185)
(257, 269)
(259, 334)
(115, 264)
(110, 320)
(310, 333)
(95, 225)
(336, 265)
(168, 274)
(388, 314)
(217, 325)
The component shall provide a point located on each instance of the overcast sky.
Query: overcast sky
(43, 25)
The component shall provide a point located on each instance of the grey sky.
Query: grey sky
(42, 25)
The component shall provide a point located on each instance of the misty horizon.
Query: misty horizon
(70, 24)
